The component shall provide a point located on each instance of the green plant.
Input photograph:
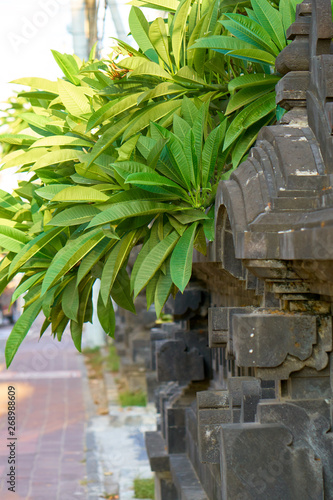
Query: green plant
(144, 488)
(123, 155)
(128, 398)
(256, 38)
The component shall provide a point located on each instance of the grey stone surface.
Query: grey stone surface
(174, 362)
(213, 409)
(164, 487)
(258, 463)
(185, 479)
(260, 428)
(158, 457)
(265, 340)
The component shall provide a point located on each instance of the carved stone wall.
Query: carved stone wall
(246, 400)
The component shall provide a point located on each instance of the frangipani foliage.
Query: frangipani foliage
(126, 154)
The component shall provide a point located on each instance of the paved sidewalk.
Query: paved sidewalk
(116, 452)
(50, 420)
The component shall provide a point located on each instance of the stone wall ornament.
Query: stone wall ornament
(256, 422)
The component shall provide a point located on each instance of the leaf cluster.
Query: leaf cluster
(128, 152)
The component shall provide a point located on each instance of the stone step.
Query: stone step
(295, 193)
(156, 451)
(277, 221)
(316, 182)
(185, 479)
(296, 203)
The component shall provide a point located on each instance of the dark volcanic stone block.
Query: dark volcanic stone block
(258, 463)
(265, 340)
(174, 362)
(156, 451)
(185, 479)
(164, 487)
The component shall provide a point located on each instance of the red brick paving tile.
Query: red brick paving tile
(51, 424)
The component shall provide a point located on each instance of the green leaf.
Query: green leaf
(154, 179)
(189, 75)
(38, 83)
(165, 88)
(69, 256)
(106, 315)
(159, 38)
(167, 5)
(181, 258)
(249, 115)
(145, 145)
(53, 157)
(180, 164)
(125, 151)
(20, 330)
(251, 80)
(40, 121)
(8, 202)
(141, 66)
(180, 127)
(178, 30)
(75, 215)
(247, 139)
(73, 98)
(189, 110)
(287, 10)
(222, 43)
(138, 261)
(70, 300)
(32, 248)
(48, 192)
(163, 290)
(80, 193)
(121, 291)
(26, 285)
(246, 95)
(115, 261)
(188, 216)
(271, 20)
(249, 31)
(129, 209)
(210, 152)
(99, 116)
(139, 29)
(85, 305)
(178, 226)
(209, 227)
(114, 110)
(61, 140)
(38, 94)
(152, 113)
(12, 239)
(153, 261)
(254, 55)
(131, 195)
(108, 138)
(17, 139)
(76, 334)
(126, 168)
(92, 258)
(68, 65)
(151, 288)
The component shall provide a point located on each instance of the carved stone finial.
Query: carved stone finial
(295, 57)
(293, 61)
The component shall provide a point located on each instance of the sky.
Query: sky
(29, 29)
